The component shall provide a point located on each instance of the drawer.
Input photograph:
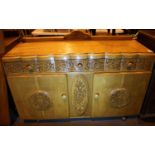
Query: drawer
(105, 62)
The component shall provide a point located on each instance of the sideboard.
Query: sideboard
(78, 79)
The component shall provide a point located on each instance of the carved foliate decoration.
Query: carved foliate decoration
(145, 62)
(96, 64)
(112, 64)
(80, 94)
(61, 65)
(46, 66)
(129, 63)
(28, 67)
(119, 97)
(140, 65)
(39, 101)
(13, 67)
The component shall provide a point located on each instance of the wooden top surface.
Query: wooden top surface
(67, 47)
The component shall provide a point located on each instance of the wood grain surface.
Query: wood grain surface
(66, 47)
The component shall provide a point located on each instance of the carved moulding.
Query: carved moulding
(109, 63)
(39, 101)
(119, 97)
(13, 67)
(45, 66)
(61, 65)
(149, 62)
(112, 62)
(129, 62)
(78, 65)
(140, 65)
(79, 93)
(96, 64)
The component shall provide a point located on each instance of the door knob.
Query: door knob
(64, 96)
(96, 95)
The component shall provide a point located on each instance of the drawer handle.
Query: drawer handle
(130, 65)
(64, 96)
(29, 68)
(80, 65)
(96, 95)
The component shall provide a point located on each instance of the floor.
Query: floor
(132, 121)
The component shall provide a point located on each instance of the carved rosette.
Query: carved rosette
(40, 101)
(80, 94)
(119, 98)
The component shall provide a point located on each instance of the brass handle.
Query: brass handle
(64, 96)
(130, 64)
(29, 68)
(97, 95)
(80, 65)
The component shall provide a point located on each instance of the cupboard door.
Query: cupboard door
(40, 96)
(80, 94)
(118, 94)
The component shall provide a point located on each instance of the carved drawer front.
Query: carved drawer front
(87, 62)
(112, 62)
(129, 62)
(40, 96)
(118, 94)
(80, 92)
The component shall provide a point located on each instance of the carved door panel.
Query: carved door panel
(40, 96)
(118, 94)
(80, 94)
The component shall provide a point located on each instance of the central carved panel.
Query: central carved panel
(80, 94)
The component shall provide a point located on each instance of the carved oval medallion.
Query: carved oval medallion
(40, 101)
(80, 94)
(119, 97)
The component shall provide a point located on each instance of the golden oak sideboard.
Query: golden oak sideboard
(78, 79)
